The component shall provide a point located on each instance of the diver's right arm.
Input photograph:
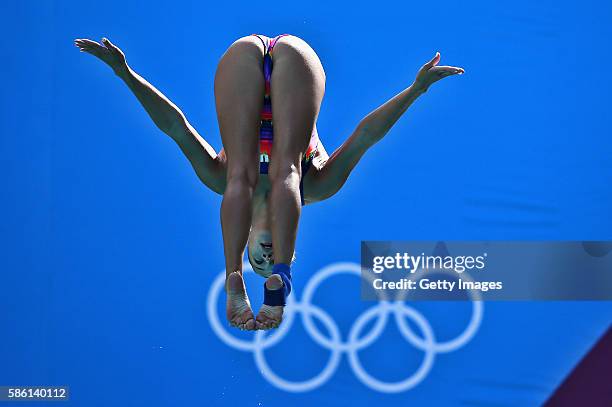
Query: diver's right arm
(208, 165)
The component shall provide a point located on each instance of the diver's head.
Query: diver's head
(259, 251)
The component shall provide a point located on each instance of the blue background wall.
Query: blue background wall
(110, 244)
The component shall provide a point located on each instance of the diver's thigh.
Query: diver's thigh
(297, 89)
(239, 93)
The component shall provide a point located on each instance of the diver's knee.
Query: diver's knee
(243, 175)
(283, 170)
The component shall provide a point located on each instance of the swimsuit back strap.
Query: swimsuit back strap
(269, 43)
(274, 41)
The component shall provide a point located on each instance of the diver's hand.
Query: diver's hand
(430, 73)
(107, 52)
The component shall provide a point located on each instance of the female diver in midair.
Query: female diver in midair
(266, 174)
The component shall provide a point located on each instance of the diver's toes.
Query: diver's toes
(270, 323)
(263, 322)
(269, 318)
(245, 318)
(249, 325)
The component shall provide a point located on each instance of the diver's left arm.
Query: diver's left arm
(328, 180)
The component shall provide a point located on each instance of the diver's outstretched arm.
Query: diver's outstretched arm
(334, 173)
(167, 117)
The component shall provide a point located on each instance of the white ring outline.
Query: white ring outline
(410, 381)
(451, 344)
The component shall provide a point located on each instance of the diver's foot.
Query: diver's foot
(270, 316)
(238, 307)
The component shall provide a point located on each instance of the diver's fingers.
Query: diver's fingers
(88, 45)
(452, 69)
(91, 47)
(433, 62)
(86, 42)
(82, 46)
(443, 74)
(110, 45)
(440, 72)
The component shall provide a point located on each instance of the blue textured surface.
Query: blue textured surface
(110, 244)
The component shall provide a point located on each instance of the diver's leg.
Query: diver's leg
(297, 88)
(239, 90)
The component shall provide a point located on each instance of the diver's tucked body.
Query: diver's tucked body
(268, 94)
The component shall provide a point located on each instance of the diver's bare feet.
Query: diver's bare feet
(270, 316)
(238, 307)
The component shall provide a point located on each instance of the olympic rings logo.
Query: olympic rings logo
(382, 311)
